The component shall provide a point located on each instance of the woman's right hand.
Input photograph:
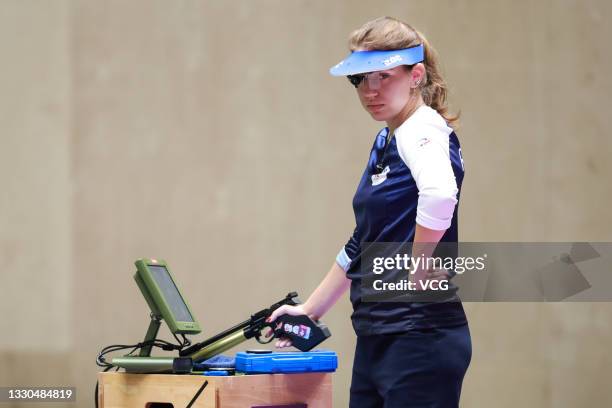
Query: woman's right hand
(283, 310)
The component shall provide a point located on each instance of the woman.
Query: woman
(408, 354)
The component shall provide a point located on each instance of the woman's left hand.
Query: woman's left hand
(438, 274)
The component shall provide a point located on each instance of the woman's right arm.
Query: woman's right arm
(327, 293)
(320, 301)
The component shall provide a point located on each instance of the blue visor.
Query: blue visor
(359, 62)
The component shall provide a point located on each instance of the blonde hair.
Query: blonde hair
(388, 33)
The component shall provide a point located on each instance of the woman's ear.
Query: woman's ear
(417, 75)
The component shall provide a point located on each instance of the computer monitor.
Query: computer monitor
(164, 297)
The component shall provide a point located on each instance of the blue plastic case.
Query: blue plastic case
(287, 362)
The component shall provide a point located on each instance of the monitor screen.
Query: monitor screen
(169, 290)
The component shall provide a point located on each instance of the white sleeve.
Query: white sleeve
(426, 153)
(343, 260)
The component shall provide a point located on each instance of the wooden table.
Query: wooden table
(124, 390)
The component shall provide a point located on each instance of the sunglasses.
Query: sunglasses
(373, 79)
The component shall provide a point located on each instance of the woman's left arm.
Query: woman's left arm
(425, 242)
(427, 156)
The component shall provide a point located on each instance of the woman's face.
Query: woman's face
(386, 94)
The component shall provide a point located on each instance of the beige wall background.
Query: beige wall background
(210, 134)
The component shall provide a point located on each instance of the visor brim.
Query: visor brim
(359, 62)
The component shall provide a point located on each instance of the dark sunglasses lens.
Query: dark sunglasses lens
(355, 79)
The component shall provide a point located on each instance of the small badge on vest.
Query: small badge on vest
(380, 177)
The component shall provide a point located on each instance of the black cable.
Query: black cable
(163, 344)
(132, 352)
(178, 340)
